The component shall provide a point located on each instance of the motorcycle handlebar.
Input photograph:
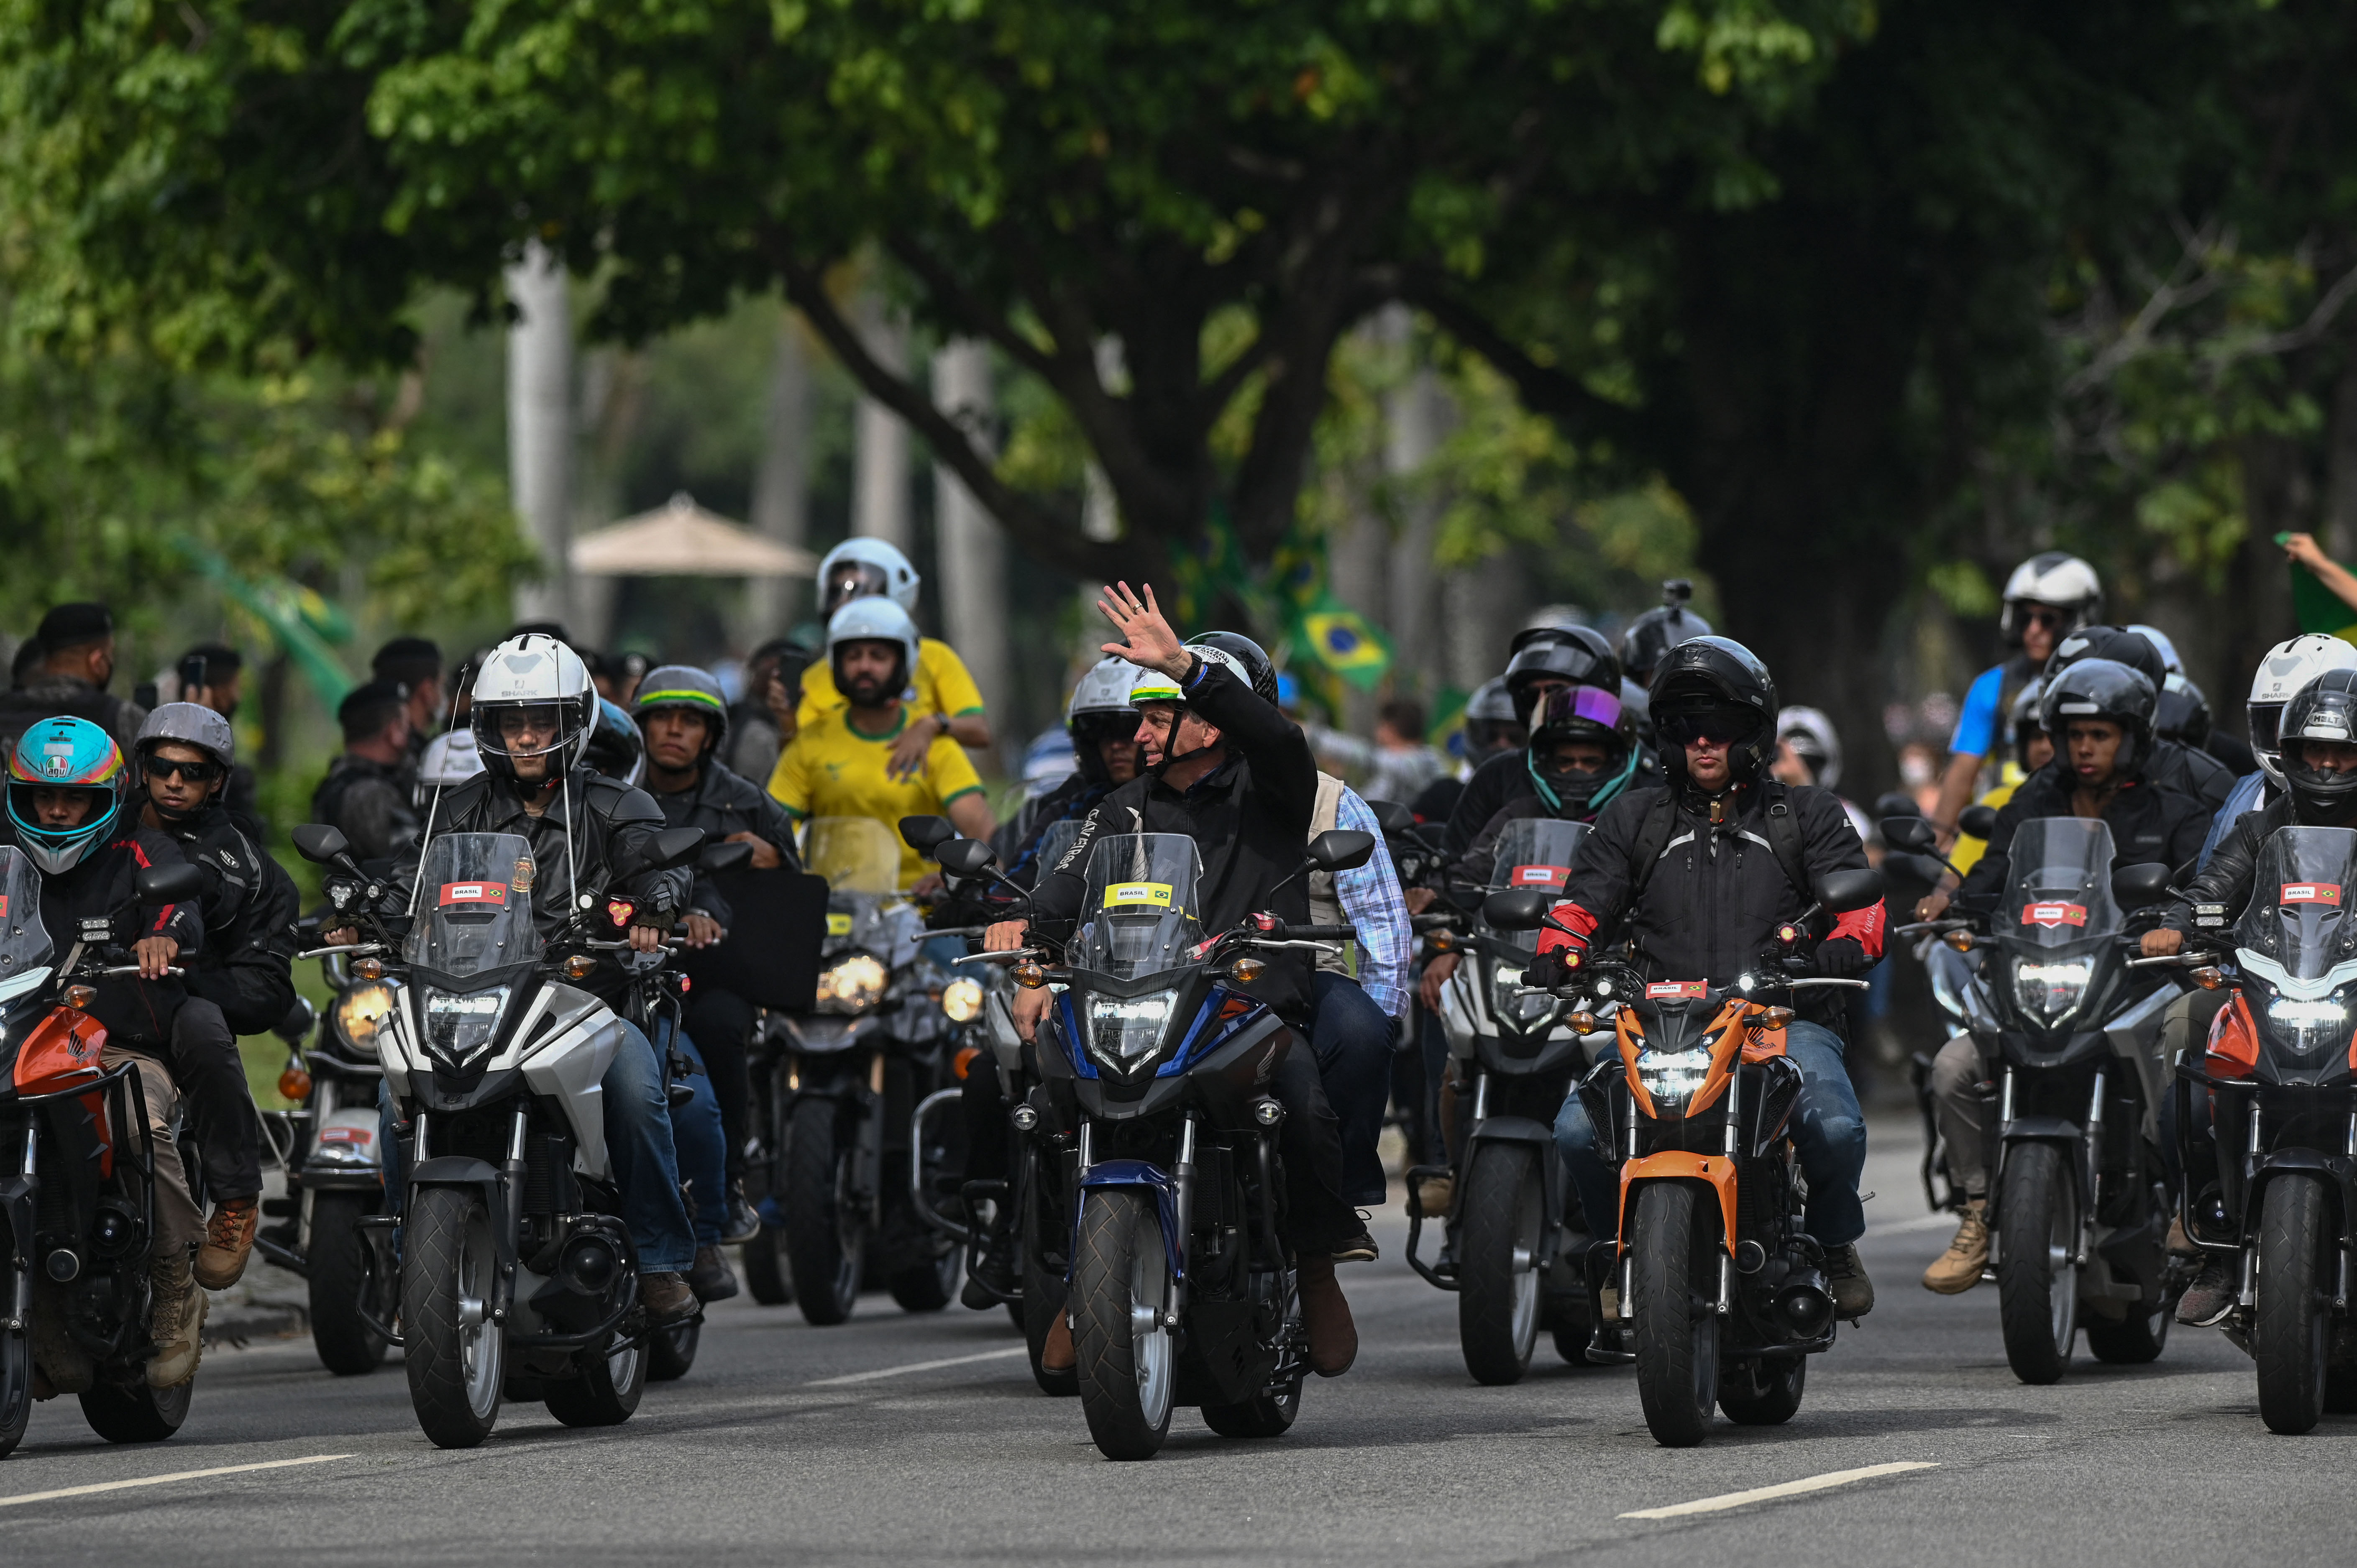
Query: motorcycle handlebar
(120, 970)
(340, 947)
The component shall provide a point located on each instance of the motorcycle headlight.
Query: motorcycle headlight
(360, 1015)
(2050, 990)
(962, 1000)
(1125, 1031)
(851, 985)
(1672, 1076)
(1515, 1006)
(459, 1028)
(2311, 1026)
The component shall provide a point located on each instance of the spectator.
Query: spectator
(76, 661)
(1397, 765)
(366, 794)
(212, 675)
(416, 662)
(762, 721)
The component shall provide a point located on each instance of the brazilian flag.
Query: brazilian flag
(1343, 640)
(300, 621)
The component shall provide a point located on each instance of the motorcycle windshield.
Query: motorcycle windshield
(1533, 852)
(856, 854)
(25, 948)
(474, 906)
(2300, 894)
(2058, 886)
(1140, 915)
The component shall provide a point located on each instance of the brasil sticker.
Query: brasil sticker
(1137, 895)
(2053, 916)
(473, 892)
(837, 924)
(2311, 893)
(1677, 991)
(1539, 876)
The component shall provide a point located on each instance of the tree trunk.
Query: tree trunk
(1416, 418)
(879, 497)
(540, 427)
(781, 486)
(973, 588)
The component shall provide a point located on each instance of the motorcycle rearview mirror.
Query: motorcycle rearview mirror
(1842, 891)
(926, 835)
(319, 843)
(671, 847)
(1978, 821)
(1341, 849)
(2139, 886)
(963, 857)
(1518, 909)
(1896, 804)
(1911, 834)
(161, 885)
(724, 857)
(1393, 817)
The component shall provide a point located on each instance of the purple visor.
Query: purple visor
(1587, 702)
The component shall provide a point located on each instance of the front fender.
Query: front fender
(455, 1170)
(1137, 1172)
(2042, 1129)
(1715, 1171)
(1511, 1129)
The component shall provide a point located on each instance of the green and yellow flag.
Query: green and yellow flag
(1343, 640)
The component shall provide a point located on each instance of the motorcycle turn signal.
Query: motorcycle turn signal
(1960, 940)
(1244, 970)
(2210, 977)
(580, 966)
(80, 997)
(1029, 976)
(369, 967)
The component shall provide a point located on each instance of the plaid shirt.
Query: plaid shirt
(1372, 900)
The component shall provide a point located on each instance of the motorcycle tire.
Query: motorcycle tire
(670, 1351)
(1497, 1283)
(2037, 1283)
(1043, 1299)
(2135, 1340)
(137, 1414)
(1763, 1391)
(607, 1391)
(16, 1383)
(767, 1279)
(455, 1369)
(1676, 1285)
(825, 1256)
(337, 1267)
(1121, 1274)
(2291, 1328)
(1269, 1415)
(2340, 1390)
(931, 1284)
(1571, 1342)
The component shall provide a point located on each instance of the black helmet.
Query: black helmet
(616, 748)
(1248, 653)
(2183, 712)
(1650, 636)
(2103, 689)
(1590, 713)
(2324, 709)
(2028, 719)
(2116, 643)
(1576, 654)
(1715, 678)
(1491, 722)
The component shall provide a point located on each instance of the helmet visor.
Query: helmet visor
(2266, 728)
(519, 729)
(1720, 726)
(853, 580)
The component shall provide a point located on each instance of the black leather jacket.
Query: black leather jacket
(2149, 821)
(2233, 865)
(723, 803)
(97, 897)
(249, 907)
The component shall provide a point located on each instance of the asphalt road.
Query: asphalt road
(789, 1444)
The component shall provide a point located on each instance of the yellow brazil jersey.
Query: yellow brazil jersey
(833, 771)
(1969, 850)
(942, 686)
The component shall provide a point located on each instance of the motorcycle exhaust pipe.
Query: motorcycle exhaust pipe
(588, 1264)
(1807, 1308)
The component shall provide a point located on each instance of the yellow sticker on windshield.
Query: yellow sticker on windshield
(1137, 895)
(838, 924)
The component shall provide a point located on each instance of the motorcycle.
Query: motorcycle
(1725, 1289)
(842, 1083)
(2281, 1072)
(2068, 1026)
(515, 1275)
(1152, 1098)
(1516, 1240)
(80, 1201)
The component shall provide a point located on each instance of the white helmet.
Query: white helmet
(2171, 663)
(872, 619)
(876, 568)
(1047, 762)
(1812, 735)
(2287, 667)
(449, 761)
(533, 670)
(1103, 690)
(2057, 578)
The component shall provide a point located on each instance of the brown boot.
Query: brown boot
(229, 1241)
(666, 1298)
(176, 1321)
(1056, 1355)
(1326, 1318)
(1958, 1268)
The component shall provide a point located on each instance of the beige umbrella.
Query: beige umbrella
(680, 539)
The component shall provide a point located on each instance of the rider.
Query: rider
(1227, 770)
(1102, 723)
(365, 795)
(944, 699)
(65, 807)
(2287, 667)
(685, 716)
(2315, 755)
(245, 975)
(2100, 710)
(1545, 659)
(212, 676)
(533, 712)
(846, 761)
(2033, 748)
(2048, 597)
(1699, 872)
(2169, 765)
(1646, 644)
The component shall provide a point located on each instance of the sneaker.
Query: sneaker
(1326, 1318)
(1958, 1268)
(711, 1279)
(229, 1241)
(2210, 1296)
(1359, 1249)
(667, 1298)
(1846, 1279)
(738, 1223)
(176, 1321)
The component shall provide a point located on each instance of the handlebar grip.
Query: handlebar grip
(1322, 933)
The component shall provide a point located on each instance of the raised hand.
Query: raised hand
(1150, 642)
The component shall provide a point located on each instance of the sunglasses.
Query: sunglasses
(2050, 619)
(160, 767)
(1720, 729)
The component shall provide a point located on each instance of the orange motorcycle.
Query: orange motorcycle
(1720, 1291)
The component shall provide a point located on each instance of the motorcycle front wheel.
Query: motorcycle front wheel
(336, 1266)
(137, 1414)
(1121, 1290)
(1763, 1391)
(766, 1280)
(670, 1351)
(1676, 1285)
(454, 1353)
(607, 1393)
(930, 1283)
(16, 1381)
(2037, 1281)
(1498, 1281)
(825, 1248)
(2291, 1333)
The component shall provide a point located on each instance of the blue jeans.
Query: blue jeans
(637, 1109)
(1352, 1042)
(1829, 1130)
(703, 1147)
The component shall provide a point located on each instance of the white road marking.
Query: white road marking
(1921, 1222)
(919, 1367)
(1786, 1489)
(159, 1480)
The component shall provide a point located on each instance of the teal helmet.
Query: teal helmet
(64, 754)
